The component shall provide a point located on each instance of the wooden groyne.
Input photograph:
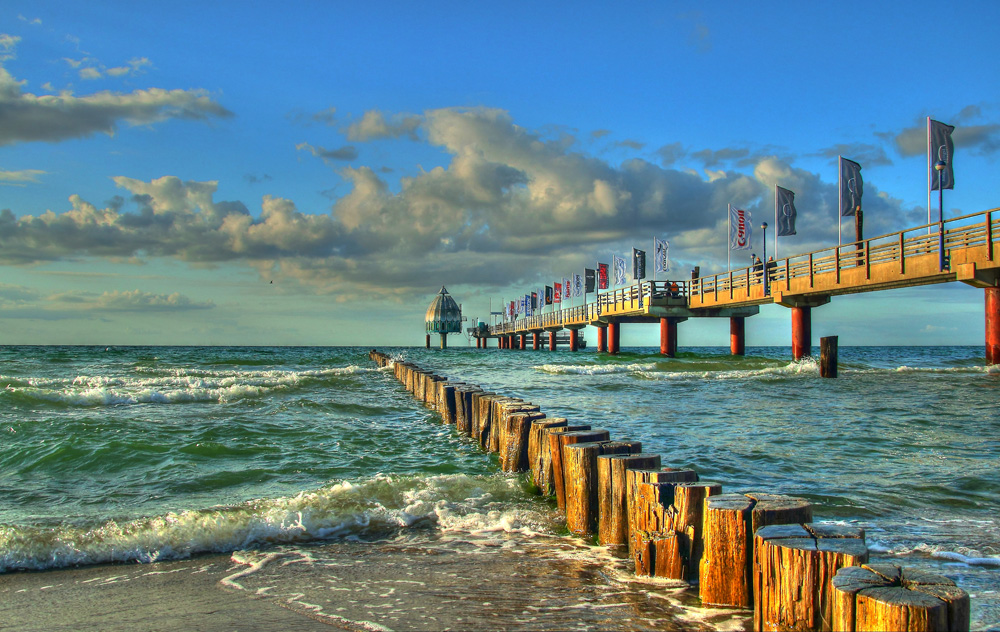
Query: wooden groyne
(754, 551)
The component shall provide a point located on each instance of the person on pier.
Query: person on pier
(770, 268)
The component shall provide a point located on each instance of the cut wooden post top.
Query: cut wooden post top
(815, 537)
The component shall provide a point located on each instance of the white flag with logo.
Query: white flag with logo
(619, 266)
(740, 228)
(661, 256)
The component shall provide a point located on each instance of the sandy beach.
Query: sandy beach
(359, 586)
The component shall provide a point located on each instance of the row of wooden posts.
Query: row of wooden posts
(753, 550)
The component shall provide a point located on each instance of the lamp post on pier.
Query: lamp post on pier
(939, 166)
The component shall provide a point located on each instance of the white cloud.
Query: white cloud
(29, 117)
(509, 205)
(374, 125)
(20, 178)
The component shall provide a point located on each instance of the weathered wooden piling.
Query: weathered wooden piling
(514, 440)
(725, 576)
(792, 569)
(886, 597)
(580, 485)
(828, 356)
(612, 499)
(557, 441)
(536, 439)
(668, 540)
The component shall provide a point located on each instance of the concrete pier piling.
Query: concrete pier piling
(754, 551)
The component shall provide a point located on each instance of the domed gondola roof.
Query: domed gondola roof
(444, 315)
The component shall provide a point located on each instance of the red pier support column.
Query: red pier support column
(668, 337)
(602, 339)
(552, 341)
(574, 339)
(536, 340)
(992, 325)
(614, 337)
(801, 332)
(737, 335)
(521, 341)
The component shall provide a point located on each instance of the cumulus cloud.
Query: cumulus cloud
(26, 117)
(374, 125)
(510, 205)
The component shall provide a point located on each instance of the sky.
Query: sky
(313, 172)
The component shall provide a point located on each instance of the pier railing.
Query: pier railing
(968, 238)
(968, 231)
(607, 303)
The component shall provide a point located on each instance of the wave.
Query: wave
(164, 387)
(450, 503)
(680, 370)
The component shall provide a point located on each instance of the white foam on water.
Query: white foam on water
(450, 503)
(175, 387)
(594, 369)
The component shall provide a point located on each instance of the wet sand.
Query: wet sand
(397, 585)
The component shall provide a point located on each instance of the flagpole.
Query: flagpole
(840, 199)
(775, 223)
(929, 182)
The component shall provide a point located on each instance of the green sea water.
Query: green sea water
(130, 454)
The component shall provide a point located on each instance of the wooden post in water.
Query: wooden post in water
(557, 441)
(730, 521)
(828, 356)
(792, 569)
(580, 482)
(536, 439)
(886, 597)
(612, 499)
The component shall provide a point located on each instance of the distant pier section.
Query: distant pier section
(959, 249)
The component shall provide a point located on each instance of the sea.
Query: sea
(309, 479)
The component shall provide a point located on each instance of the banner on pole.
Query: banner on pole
(590, 280)
(851, 187)
(740, 229)
(548, 294)
(557, 295)
(941, 147)
(638, 264)
(602, 276)
(619, 265)
(784, 210)
(661, 255)
(577, 284)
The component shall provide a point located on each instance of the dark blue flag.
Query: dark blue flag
(784, 211)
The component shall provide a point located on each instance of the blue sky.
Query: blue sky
(313, 172)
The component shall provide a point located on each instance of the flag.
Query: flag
(740, 229)
(577, 284)
(548, 294)
(511, 310)
(619, 265)
(851, 187)
(557, 295)
(534, 301)
(590, 278)
(661, 257)
(602, 276)
(784, 211)
(638, 264)
(567, 290)
(941, 147)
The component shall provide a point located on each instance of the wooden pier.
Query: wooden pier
(963, 249)
(753, 551)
